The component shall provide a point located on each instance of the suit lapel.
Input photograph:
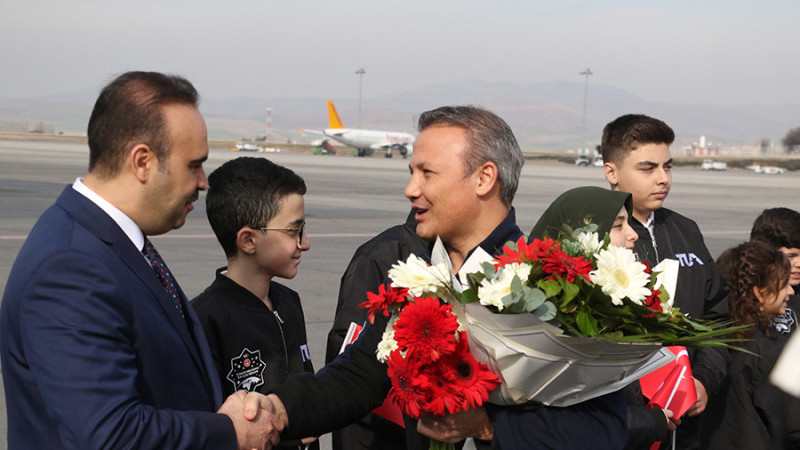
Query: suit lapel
(94, 219)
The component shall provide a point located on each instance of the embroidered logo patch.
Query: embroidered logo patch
(688, 259)
(784, 323)
(305, 353)
(247, 371)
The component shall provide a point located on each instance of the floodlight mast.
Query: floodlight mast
(585, 73)
(360, 72)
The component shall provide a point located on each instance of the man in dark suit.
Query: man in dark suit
(99, 346)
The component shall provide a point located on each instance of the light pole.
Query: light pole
(360, 72)
(586, 73)
(268, 136)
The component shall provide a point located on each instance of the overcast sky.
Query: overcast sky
(704, 52)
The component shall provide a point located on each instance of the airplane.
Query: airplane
(366, 141)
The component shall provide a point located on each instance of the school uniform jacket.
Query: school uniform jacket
(254, 349)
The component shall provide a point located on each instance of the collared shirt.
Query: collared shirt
(506, 231)
(127, 224)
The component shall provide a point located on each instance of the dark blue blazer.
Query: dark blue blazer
(94, 354)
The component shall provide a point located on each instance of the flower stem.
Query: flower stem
(439, 445)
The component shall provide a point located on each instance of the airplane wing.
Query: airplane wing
(302, 132)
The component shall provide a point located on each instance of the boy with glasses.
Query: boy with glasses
(254, 325)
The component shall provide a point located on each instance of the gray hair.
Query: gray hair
(490, 139)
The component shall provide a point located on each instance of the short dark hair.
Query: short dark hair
(778, 227)
(626, 133)
(247, 192)
(128, 111)
(490, 139)
(748, 265)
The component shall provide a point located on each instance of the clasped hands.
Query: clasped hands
(473, 422)
(257, 418)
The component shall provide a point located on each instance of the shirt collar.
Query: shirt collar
(506, 231)
(650, 222)
(127, 224)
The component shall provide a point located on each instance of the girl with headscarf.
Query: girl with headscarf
(578, 207)
(609, 210)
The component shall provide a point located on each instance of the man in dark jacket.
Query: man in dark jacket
(464, 174)
(637, 160)
(367, 270)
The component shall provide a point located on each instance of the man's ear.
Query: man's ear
(246, 240)
(610, 170)
(487, 178)
(142, 162)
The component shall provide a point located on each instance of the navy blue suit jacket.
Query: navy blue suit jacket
(94, 354)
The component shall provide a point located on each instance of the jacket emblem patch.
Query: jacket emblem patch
(688, 259)
(247, 371)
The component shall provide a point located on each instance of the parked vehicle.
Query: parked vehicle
(710, 164)
(772, 170)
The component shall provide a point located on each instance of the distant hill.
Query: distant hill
(544, 116)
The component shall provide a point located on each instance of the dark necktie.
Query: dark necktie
(163, 274)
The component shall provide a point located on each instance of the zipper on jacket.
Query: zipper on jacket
(283, 338)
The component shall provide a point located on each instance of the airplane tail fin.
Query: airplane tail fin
(333, 116)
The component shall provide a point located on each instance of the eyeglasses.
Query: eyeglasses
(298, 232)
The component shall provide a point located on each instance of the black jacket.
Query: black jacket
(758, 414)
(254, 348)
(366, 271)
(700, 293)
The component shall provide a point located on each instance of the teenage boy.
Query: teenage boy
(780, 228)
(637, 159)
(255, 326)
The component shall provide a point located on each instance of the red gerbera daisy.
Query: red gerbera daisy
(442, 398)
(408, 385)
(471, 380)
(559, 263)
(654, 303)
(384, 300)
(427, 328)
(524, 252)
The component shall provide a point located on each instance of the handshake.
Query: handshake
(257, 419)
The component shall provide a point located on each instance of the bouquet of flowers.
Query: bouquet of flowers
(558, 321)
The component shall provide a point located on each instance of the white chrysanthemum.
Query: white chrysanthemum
(387, 344)
(491, 291)
(589, 242)
(418, 277)
(620, 275)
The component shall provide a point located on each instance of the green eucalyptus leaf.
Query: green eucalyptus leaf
(533, 298)
(545, 312)
(488, 269)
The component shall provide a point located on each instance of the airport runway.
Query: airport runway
(351, 199)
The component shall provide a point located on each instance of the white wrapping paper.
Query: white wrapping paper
(536, 362)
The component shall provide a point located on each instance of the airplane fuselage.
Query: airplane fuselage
(371, 139)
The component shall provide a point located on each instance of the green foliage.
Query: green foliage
(582, 309)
